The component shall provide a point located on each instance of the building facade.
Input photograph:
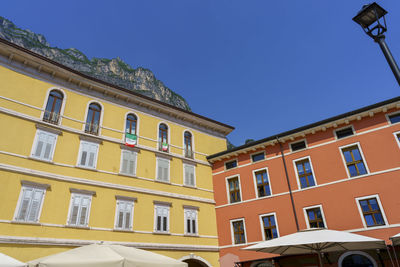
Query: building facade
(83, 161)
(341, 173)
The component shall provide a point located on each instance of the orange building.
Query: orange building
(342, 173)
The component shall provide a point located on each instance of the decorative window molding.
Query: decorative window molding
(134, 199)
(304, 173)
(48, 129)
(190, 207)
(134, 149)
(380, 211)
(90, 139)
(44, 145)
(163, 203)
(30, 202)
(355, 160)
(162, 169)
(262, 183)
(317, 218)
(34, 184)
(362, 253)
(269, 226)
(238, 231)
(233, 189)
(82, 191)
(88, 152)
(79, 210)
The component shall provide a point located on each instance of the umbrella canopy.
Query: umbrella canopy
(396, 239)
(317, 241)
(10, 262)
(106, 256)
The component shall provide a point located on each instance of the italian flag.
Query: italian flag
(164, 147)
(130, 139)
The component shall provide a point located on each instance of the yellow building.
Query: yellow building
(71, 175)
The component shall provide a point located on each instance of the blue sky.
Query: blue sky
(261, 66)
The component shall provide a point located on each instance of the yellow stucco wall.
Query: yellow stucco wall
(22, 101)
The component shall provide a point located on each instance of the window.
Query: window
(128, 162)
(344, 132)
(163, 138)
(163, 169)
(269, 226)
(43, 146)
(354, 161)
(262, 181)
(188, 145)
(88, 154)
(123, 220)
(29, 204)
(189, 175)
(239, 236)
(234, 190)
(79, 210)
(394, 118)
(305, 173)
(161, 218)
(93, 119)
(191, 221)
(356, 258)
(258, 157)
(315, 218)
(53, 107)
(298, 145)
(371, 212)
(130, 125)
(231, 164)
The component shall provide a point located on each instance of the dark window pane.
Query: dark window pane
(303, 182)
(298, 145)
(231, 164)
(311, 180)
(311, 215)
(370, 220)
(344, 132)
(257, 157)
(395, 118)
(347, 156)
(356, 154)
(353, 170)
(361, 168)
(379, 218)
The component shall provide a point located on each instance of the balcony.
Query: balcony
(92, 128)
(51, 117)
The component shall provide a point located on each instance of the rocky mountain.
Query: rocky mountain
(114, 70)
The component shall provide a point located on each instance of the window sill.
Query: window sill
(41, 160)
(191, 235)
(77, 227)
(190, 186)
(123, 230)
(375, 227)
(163, 182)
(161, 233)
(359, 176)
(127, 174)
(27, 223)
(86, 168)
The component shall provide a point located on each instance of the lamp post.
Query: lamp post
(372, 20)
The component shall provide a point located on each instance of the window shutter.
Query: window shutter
(75, 209)
(92, 155)
(41, 139)
(187, 174)
(163, 170)
(193, 226)
(132, 159)
(34, 209)
(84, 210)
(27, 194)
(124, 167)
(50, 140)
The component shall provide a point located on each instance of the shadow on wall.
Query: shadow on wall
(228, 260)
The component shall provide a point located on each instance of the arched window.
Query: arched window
(188, 146)
(93, 119)
(163, 137)
(130, 125)
(53, 107)
(356, 258)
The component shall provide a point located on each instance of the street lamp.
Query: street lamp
(372, 19)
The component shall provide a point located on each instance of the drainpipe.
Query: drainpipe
(288, 183)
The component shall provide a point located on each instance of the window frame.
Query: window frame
(257, 153)
(194, 174)
(378, 200)
(118, 200)
(262, 224)
(71, 206)
(227, 188)
(343, 128)
(348, 253)
(322, 214)
(390, 114)
(184, 144)
(159, 145)
(297, 173)
(34, 145)
(78, 163)
(19, 202)
(237, 164)
(169, 169)
(168, 207)
(233, 233)
(195, 211)
(345, 163)
(100, 120)
(397, 137)
(121, 162)
(256, 184)
(298, 141)
(61, 108)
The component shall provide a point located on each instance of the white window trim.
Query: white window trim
(101, 116)
(255, 183)
(344, 255)
(344, 160)
(20, 199)
(297, 173)
(35, 140)
(322, 213)
(233, 233)
(70, 209)
(135, 166)
(137, 126)
(168, 218)
(116, 215)
(390, 114)
(256, 153)
(227, 188)
(62, 104)
(342, 128)
(169, 170)
(397, 139)
(80, 154)
(197, 221)
(168, 136)
(262, 223)
(183, 142)
(380, 207)
(237, 164)
(298, 141)
(194, 174)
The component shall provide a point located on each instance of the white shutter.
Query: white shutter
(84, 210)
(76, 199)
(49, 144)
(88, 153)
(163, 169)
(40, 141)
(92, 155)
(131, 165)
(24, 203)
(189, 175)
(128, 162)
(124, 167)
(35, 205)
(44, 145)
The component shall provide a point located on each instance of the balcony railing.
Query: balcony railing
(188, 153)
(163, 147)
(51, 117)
(92, 128)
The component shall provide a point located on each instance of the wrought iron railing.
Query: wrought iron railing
(92, 128)
(51, 117)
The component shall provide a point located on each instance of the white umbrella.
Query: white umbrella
(106, 256)
(317, 241)
(395, 239)
(7, 261)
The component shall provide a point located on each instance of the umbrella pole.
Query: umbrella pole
(320, 259)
